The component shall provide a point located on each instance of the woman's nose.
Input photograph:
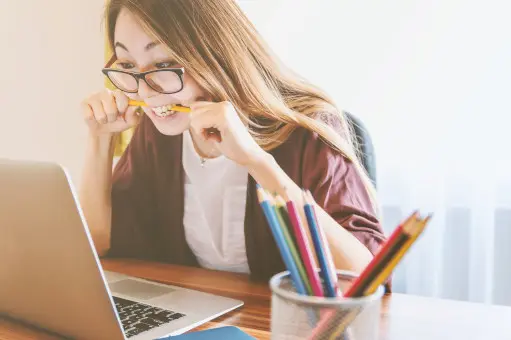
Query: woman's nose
(144, 90)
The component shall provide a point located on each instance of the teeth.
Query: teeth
(164, 111)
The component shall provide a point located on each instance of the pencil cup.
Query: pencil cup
(295, 316)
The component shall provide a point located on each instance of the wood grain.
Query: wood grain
(403, 317)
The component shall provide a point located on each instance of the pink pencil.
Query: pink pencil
(305, 250)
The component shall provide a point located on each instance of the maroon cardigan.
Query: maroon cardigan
(148, 199)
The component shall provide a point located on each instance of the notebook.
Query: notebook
(227, 332)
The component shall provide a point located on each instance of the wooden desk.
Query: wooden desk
(404, 317)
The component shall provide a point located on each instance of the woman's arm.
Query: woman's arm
(106, 114)
(95, 189)
(347, 251)
(322, 168)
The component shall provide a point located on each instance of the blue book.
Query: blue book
(227, 332)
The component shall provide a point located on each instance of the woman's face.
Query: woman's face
(138, 52)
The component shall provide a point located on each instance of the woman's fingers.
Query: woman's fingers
(199, 104)
(87, 112)
(99, 113)
(109, 106)
(108, 112)
(88, 115)
(205, 121)
(121, 101)
(131, 116)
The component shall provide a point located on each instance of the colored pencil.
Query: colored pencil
(413, 229)
(278, 235)
(178, 108)
(385, 273)
(342, 323)
(280, 203)
(306, 252)
(391, 246)
(328, 271)
(285, 223)
(292, 241)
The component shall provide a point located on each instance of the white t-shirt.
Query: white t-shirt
(214, 216)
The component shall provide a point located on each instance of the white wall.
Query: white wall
(435, 63)
(51, 58)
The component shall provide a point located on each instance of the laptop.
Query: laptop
(51, 277)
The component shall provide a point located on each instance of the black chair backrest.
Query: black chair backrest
(365, 146)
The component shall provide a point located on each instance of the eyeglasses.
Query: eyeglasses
(167, 80)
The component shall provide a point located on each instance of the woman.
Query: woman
(184, 190)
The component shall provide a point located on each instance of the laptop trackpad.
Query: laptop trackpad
(139, 290)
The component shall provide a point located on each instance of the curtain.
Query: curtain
(430, 80)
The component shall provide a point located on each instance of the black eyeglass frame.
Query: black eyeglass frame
(180, 71)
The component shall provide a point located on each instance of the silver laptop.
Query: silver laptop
(51, 277)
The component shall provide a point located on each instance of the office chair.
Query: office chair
(365, 146)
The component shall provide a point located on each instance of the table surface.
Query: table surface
(403, 317)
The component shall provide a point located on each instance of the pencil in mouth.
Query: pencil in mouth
(177, 108)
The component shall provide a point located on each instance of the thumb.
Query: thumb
(132, 115)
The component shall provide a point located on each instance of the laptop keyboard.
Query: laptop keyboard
(137, 317)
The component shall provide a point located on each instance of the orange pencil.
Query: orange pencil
(403, 237)
(394, 242)
(415, 232)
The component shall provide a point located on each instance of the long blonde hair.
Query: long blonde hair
(223, 52)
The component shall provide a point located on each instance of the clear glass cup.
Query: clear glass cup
(295, 316)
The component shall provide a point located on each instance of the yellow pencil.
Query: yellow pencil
(133, 102)
(177, 108)
(384, 274)
(347, 319)
(416, 231)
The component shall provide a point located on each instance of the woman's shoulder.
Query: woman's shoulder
(336, 123)
(305, 149)
(333, 119)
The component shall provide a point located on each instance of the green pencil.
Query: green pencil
(280, 208)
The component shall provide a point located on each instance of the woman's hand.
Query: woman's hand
(107, 112)
(220, 123)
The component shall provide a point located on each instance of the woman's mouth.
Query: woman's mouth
(164, 111)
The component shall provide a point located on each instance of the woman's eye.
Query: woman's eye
(126, 66)
(166, 64)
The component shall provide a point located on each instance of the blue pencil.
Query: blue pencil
(328, 272)
(281, 242)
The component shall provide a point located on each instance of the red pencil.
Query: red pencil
(305, 250)
(397, 239)
(355, 289)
